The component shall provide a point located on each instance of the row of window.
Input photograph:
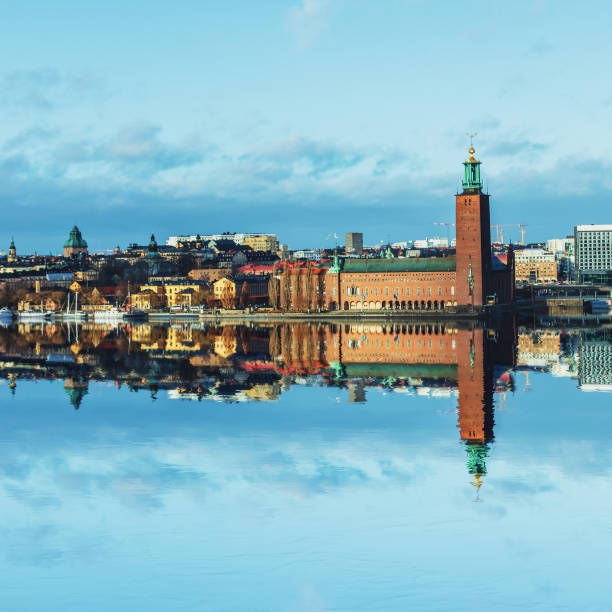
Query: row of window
(357, 291)
(354, 343)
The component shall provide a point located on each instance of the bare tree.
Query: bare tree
(244, 295)
(286, 281)
(273, 291)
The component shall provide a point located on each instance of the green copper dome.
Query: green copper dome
(75, 240)
(153, 252)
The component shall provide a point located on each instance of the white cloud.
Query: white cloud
(308, 20)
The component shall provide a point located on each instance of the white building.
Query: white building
(563, 249)
(431, 243)
(593, 253)
(312, 254)
(237, 238)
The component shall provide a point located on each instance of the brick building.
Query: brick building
(466, 281)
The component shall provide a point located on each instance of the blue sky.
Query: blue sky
(302, 117)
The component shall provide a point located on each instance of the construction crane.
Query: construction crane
(499, 228)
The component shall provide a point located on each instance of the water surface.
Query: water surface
(305, 468)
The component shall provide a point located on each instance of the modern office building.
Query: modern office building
(595, 361)
(354, 243)
(593, 253)
(535, 266)
(564, 251)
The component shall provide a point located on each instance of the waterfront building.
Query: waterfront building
(75, 245)
(467, 280)
(229, 290)
(169, 294)
(12, 253)
(535, 266)
(354, 243)
(593, 253)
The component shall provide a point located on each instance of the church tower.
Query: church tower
(12, 253)
(473, 221)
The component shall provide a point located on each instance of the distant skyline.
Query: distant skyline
(299, 117)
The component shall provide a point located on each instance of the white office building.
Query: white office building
(593, 253)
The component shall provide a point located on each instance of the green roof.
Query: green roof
(75, 240)
(409, 264)
(402, 370)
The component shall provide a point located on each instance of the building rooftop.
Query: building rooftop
(413, 264)
(594, 228)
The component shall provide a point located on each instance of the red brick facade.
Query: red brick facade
(473, 223)
(465, 281)
(390, 290)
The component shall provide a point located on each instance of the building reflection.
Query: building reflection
(259, 363)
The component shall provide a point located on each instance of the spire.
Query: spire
(477, 453)
(471, 181)
(12, 252)
(337, 264)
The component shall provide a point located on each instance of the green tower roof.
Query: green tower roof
(471, 181)
(75, 239)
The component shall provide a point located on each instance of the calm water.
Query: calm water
(305, 468)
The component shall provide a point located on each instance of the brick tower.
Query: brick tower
(475, 381)
(473, 221)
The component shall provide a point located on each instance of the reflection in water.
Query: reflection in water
(244, 363)
(247, 475)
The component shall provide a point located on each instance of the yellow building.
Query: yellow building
(535, 266)
(224, 288)
(146, 300)
(226, 344)
(263, 242)
(172, 294)
(181, 339)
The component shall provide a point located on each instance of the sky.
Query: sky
(300, 117)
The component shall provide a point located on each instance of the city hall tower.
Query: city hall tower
(473, 221)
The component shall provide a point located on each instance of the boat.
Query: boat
(117, 315)
(34, 316)
(73, 315)
(6, 317)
